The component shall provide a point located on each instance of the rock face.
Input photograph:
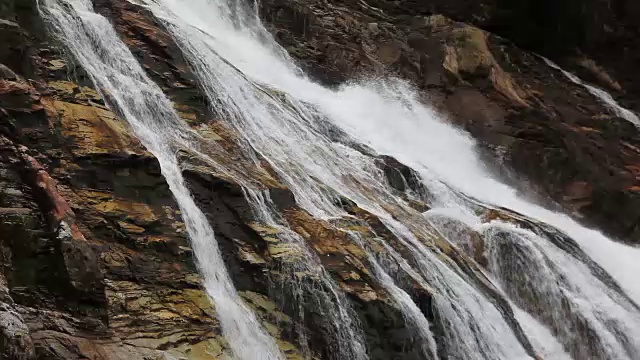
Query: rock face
(94, 251)
(532, 121)
(605, 31)
(95, 261)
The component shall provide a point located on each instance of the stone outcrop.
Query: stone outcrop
(95, 260)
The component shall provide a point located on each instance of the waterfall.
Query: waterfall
(602, 96)
(412, 313)
(283, 117)
(543, 340)
(117, 75)
(564, 293)
(557, 290)
(291, 122)
(342, 332)
(543, 285)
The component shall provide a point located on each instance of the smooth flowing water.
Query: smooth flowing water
(549, 286)
(116, 73)
(343, 336)
(287, 120)
(283, 117)
(602, 96)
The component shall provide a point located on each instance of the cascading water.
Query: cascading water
(340, 324)
(546, 345)
(600, 94)
(97, 48)
(281, 115)
(451, 157)
(475, 327)
(316, 140)
(413, 315)
(288, 132)
(557, 290)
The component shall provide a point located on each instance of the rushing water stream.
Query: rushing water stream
(115, 72)
(600, 94)
(550, 287)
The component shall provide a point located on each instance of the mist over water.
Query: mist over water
(536, 294)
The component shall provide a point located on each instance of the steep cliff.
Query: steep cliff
(96, 262)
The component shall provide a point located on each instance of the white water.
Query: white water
(603, 96)
(474, 326)
(280, 115)
(559, 282)
(412, 314)
(117, 74)
(430, 147)
(543, 341)
(343, 334)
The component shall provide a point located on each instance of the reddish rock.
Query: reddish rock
(46, 189)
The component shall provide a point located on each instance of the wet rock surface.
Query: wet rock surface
(95, 253)
(530, 120)
(95, 260)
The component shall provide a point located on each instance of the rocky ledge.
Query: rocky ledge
(95, 260)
